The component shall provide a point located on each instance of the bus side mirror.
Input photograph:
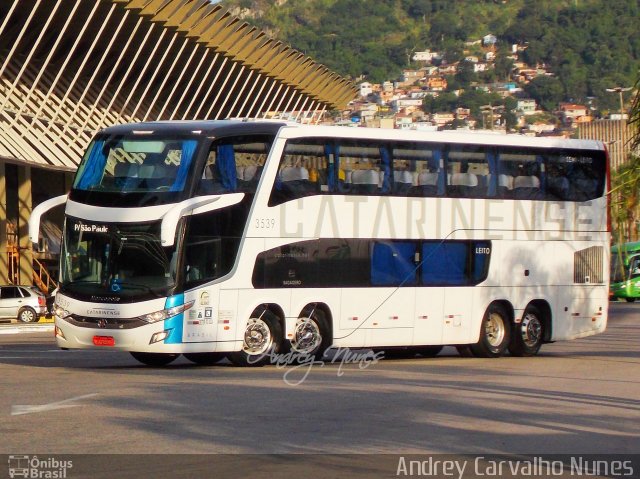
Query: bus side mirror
(36, 214)
(41, 245)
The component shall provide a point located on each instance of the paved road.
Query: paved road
(576, 397)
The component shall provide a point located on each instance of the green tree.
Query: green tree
(465, 74)
(503, 66)
(546, 91)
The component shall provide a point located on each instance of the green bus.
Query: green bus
(625, 272)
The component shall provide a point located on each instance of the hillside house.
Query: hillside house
(480, 67)
(426, 56)
(462, 113)
(442, 118)
(407, 104)
(489, 40)
(436, 83)
(365, 89)
(526, 106)
(572, 113)
(448, 69)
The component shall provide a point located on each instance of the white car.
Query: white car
(26, 303)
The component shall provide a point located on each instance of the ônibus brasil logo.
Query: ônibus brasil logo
(36, 468)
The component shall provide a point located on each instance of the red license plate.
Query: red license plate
(104, 341)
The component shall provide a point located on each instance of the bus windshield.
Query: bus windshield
(125, 260)
(137, 165)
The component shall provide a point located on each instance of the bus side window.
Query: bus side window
(303, 171)
(634, 267)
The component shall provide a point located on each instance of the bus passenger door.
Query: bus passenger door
(458, 308)
(386, 309)
(428, 326)
(445, 267)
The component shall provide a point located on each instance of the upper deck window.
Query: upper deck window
(136, 164)
(343, 166)
(234, 165)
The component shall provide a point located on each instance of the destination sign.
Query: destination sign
(90, 228)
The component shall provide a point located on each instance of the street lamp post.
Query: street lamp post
(620, 90)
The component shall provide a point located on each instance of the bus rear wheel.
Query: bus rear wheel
(155, 359)
(311, 335)
(630, 300)
(262, 337)
(465, 351)
(528, 335)
(205, 359)
(495, 333)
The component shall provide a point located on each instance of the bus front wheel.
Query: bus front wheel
(205, 359)
(630, 300)
(495, 333)
(155, 359)
(528, 334)
(262, 338)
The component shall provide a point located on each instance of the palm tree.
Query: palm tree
(626, 182)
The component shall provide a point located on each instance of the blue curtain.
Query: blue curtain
(226, 165)
(444, 263)
(385, 156)
(332, 167)
(543, 173)
(442, 172)
(492, 158)
(94, 167)
(392, 264)
(188, 149)
(331, 178)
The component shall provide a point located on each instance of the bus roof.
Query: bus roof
(293, 130)
(462, 137)
(204, 127)
(631, 247)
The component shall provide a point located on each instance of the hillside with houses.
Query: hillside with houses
(535, 67)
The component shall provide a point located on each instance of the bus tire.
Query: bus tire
(154, 359)
(495, 333)
(429, 351)
(311, 336)
(205, 359)
(629, 300)
(262, 337)
(465, 351)
(528, 334)
(28, 315)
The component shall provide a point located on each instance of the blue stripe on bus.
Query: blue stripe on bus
(175, 323)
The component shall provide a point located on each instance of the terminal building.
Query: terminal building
(71, 67)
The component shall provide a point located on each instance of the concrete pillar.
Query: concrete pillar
(24, 212)
(4, 255)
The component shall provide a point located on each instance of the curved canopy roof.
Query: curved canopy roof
(71, 67)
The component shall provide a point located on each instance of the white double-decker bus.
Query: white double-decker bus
(239, 239)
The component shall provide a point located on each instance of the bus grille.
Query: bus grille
(588, 265)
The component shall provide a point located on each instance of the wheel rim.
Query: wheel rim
(257, 337)
(307, 336)
(27, 316)
(495, 330)
(531, 330)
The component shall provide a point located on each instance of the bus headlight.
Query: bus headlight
(60, 312)
(165, 313)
